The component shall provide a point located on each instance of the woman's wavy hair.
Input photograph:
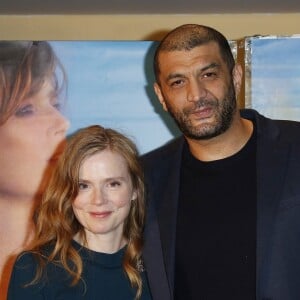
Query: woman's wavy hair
(24, 67)
(55, 221)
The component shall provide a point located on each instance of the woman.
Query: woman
(32, 131)
(89, 225)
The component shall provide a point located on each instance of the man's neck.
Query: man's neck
(223, 145)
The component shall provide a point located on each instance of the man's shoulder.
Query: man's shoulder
(171, 148)
(285, 130)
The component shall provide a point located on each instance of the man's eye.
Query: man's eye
(209, 75)
(176, 82)
(24, 111)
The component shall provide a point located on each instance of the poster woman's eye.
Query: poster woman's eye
(24, 110)
(56, 102)
(57, 105)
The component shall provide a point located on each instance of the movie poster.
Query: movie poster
(111, 83)
(48, 90)
(272, 75)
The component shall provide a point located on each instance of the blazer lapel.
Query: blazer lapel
(167, 218)
(271, 169)
(153, 256)
(160, 231)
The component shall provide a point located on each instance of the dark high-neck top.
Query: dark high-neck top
(102, 278)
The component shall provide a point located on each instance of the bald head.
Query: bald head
(188, 36)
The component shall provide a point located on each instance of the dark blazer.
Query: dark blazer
(278, 211)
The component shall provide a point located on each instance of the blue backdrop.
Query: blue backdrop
(110, 83)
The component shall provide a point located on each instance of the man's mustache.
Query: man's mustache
(201, 103)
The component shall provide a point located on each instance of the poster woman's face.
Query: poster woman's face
(30, 141)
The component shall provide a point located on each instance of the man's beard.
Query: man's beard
(223, 114)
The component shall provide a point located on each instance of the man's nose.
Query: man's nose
(196, 90)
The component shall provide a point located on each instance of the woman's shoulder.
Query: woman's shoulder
(26, 259)
(28, 262)
(25, 274)
(34, 257)
(25, 267)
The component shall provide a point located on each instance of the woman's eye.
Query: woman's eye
(57, 105)
(55, 101)
(24, 111)
(82, 186)
(114, 184)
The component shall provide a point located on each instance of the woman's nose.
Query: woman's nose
(99, 197)
(65, 123)
(61, 123)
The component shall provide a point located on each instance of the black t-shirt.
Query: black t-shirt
(216, 227)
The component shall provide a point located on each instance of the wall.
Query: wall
(140, 27)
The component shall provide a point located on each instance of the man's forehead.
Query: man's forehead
(202, 55)
(211, 47)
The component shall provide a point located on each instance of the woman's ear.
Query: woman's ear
(134, 196)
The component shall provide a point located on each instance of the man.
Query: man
(223, 217)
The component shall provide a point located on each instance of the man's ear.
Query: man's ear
(237, 75)
(159, 95)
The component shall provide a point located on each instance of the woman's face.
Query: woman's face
(30, 142)
(105, 193)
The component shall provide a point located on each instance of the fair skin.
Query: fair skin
(30, 141)
(103, 202)
(195, 86)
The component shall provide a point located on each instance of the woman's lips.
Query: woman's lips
(103, 214)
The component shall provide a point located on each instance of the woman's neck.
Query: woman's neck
(102, 243)
(16, 225)
(16, 232)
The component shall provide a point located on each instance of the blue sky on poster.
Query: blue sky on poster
(275, 76)
(107, 85)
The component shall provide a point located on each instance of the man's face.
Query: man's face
(197, 89)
